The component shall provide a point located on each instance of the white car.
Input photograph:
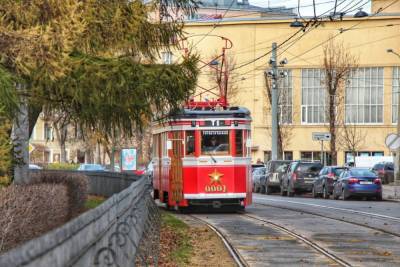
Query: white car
(34, 167)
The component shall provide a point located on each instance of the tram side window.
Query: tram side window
(239, 142)
(190, 143)
(215, 142)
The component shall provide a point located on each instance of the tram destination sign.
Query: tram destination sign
(321, 136)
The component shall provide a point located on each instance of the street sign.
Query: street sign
(31, 148)
(321, 136)
(392, 141)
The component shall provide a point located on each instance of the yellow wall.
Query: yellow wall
(367, 39)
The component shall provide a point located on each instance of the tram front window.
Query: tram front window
(215, 142)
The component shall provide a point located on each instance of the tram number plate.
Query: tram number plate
(215, 188)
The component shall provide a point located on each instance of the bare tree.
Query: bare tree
(60, 122)
(227, 79)
(285, 116)
(351, 138)
(337, 64)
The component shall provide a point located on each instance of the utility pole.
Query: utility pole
(274, 94)
(397, 165)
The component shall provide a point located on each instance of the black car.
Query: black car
(323, 184)
(385, 171)
(275, 170)
(299, 177)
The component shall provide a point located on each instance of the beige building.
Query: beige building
(370, 105)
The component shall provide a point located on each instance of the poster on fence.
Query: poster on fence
(128, 159)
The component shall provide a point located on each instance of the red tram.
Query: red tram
(202, 157)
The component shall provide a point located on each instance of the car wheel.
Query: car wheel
(283, 192)
(336, 197)
(344, 197)
(379, 198)
(268, 190)
(325, 193)
(254, 188)
(257, 189)
(290, 192)
(263, 190)
(314, 194)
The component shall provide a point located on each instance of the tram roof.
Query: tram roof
(233, 112)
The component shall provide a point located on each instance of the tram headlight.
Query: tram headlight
(236, 123)
(193, 123)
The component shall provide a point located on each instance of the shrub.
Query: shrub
(5, 150)
(28, 211)
(62, 166)
(77, 187)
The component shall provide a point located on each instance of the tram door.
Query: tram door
(176, 155)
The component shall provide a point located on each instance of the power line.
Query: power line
(334, 36)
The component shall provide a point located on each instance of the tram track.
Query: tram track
(301, 238)
(240, 262)
(332, 218)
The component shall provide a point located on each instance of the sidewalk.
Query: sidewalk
(391, 192)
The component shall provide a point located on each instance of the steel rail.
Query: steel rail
(305, 240)
(232, 251)
(332, 218)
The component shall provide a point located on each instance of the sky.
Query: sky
(306, 6)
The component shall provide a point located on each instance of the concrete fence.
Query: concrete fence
(123, 231)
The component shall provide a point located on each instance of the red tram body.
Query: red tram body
(202, 157)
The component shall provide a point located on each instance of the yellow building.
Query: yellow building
(369, 104)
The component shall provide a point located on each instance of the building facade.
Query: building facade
(369, 106)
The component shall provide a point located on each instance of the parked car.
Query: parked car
(258, 176)
(257, 165)
(274, 171)
(323, 184)
(385, 171)
(34, 167)
(358, 182)
(299, 177)
(109, 169)
(91, 167)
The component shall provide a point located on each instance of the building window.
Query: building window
(313, 96)
(288, 155)
(48, 132)
(285, 97)
(267, 156)
(315, 156)
(166, 57)
(395, 92)
(364, 96)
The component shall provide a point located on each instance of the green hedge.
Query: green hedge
(62, 166)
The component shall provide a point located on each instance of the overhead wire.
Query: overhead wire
(334, 36)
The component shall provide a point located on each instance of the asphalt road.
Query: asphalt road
(302, 231)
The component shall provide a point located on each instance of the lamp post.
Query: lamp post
(397, 165)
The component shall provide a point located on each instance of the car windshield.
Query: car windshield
(215, 142)
(309, 167)
(279, 166)
(361, 173)
(259, 171)
(338, 171)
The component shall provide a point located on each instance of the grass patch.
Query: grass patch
(183, 251)
(93, 201)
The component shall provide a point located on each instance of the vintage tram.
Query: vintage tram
(201, 157)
